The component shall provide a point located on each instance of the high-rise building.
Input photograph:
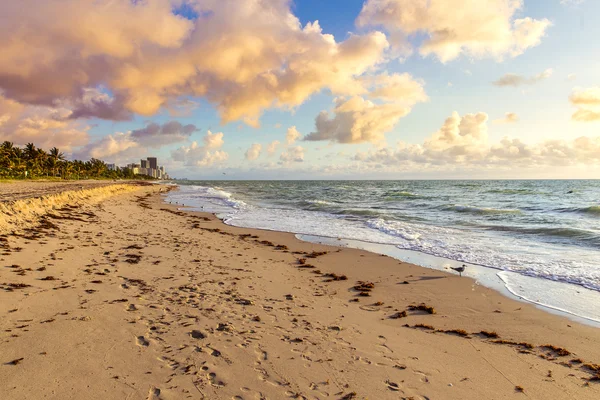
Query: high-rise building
(153, 162)
(144, 163)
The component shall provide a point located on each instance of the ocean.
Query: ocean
(547, 229)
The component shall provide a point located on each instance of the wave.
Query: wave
(398, 193)
(478, 210)
(394, 228)
(225, 197)
(592, 210)
(513, 191)
(573, 234)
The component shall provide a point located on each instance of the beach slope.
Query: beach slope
(130, 298)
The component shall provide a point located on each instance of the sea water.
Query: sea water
(544, 229)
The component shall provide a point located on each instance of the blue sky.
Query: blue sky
(569, 49)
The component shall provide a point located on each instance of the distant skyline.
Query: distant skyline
(341, 89)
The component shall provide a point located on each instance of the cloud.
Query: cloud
(213, 140)
(462, 142)
(112, 58)
(272, 147)
(571, 77)
(123, 147)
(253, 152)
(475, 28)
(509, 118)
(397, 88)
(155, 135)
(587, 102)
(46, 127)
(357, 120)
(207, 155)
(293, 154)
(571, 2)
(292, 135)
(520, 80)
(116, 147)
(94, 103)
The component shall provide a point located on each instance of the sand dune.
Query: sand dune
(133, 299)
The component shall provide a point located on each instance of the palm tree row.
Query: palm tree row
(33, 162)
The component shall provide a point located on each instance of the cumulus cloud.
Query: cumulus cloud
(293, 154)
(243, 57)
(206, 155)
(520, 80)
(44, 126)
(213, 140)
(156, 135)
(253, 152)
(587, 102)
(509, 118)
(116, 147)
(397, 88)
(357, 120)
(123, 147)
(272, 147)
(476, 28)
(463, 141)
(292, 135)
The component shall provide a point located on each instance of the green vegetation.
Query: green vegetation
(31, 162)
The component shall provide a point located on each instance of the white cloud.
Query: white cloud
(156, 135)
(46, 127)
(292, 135)
(571, 77)
(198, 156)
(509, 118)
(253, 152)
(396, 88)
(519, 80)
(243, 57)
(111, 147)
(207, 155)
(272, 147)
(293, 154)
(357, 120)
(587, 102)
(476, 28)
(572, 2)
(213, 140)
(462, 142)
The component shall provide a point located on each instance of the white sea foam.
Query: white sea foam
(395, 228)
(517, 249)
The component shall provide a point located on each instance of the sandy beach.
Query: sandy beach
(131, 298)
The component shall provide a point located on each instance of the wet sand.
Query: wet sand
(132, 298)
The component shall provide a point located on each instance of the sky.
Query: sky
(309, 89)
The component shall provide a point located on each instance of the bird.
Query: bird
(460, 269)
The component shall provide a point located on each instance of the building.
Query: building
(148, 167)
(111, 167)
(153, 162)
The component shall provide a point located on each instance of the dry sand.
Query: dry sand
(132, 299)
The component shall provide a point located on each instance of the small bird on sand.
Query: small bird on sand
(460, 270)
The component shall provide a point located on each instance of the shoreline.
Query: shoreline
(150, 302)
(545, 294)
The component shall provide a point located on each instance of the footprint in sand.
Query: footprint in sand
(393, 386)
(212, 377)
(142, 341)
(154, 394)
(132, 307)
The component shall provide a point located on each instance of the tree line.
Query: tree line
(31, 162)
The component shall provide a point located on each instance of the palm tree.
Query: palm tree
(54, 158)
